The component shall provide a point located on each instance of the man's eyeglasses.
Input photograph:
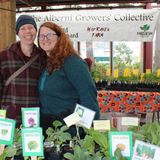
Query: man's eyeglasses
(48, 36)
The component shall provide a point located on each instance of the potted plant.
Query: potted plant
(57, 136)
(81, 153)
(95, 146)
(149, 132)
(15, 150)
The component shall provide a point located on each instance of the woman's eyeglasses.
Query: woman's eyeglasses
(48, 36)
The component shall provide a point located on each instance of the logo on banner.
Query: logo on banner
(145, 31)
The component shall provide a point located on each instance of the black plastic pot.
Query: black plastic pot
(65, 149)
(18, 158)
(15, 158)
(124, 86)
(51, 154)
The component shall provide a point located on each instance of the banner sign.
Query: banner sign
(104, 25)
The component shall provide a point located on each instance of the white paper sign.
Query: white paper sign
(87, 115)
(101, 124)
(130, 121)
(72, 119)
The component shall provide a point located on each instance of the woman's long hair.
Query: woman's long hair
(63, 48)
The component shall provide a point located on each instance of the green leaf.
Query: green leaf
(101, 139)
(2, 157)
(117, 154)
(57, 123)
(10, 151)
(49, 131)
(69, 156)
(64, 128)
(88, 143)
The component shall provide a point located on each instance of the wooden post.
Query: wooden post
(7, 23)
(33, 158)
(1, 148)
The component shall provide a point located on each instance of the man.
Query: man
(22, 91)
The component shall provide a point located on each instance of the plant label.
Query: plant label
(130, 121)
(101, 125)
(86, 115)
(143, 150)
(32, 142)
(123, 141)
(72, 119)
(7, 127)
(2, 113)
(30, 117)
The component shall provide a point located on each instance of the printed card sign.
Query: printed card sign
(123, 141)
(130, 121)
(87, 116)
(145, 151)
(32, 142)
(2, 113)
(7, 127)
(30, 117)
(101, 125)
(72, 119)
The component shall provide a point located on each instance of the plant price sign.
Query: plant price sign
(32, 142)
(7, 127)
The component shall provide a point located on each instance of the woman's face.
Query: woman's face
(47, 39)
(27, 34)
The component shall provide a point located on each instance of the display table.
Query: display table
(128, 102)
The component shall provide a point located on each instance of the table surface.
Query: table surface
(128, 102)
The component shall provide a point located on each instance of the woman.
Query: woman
(22, 90)
(66, 80)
